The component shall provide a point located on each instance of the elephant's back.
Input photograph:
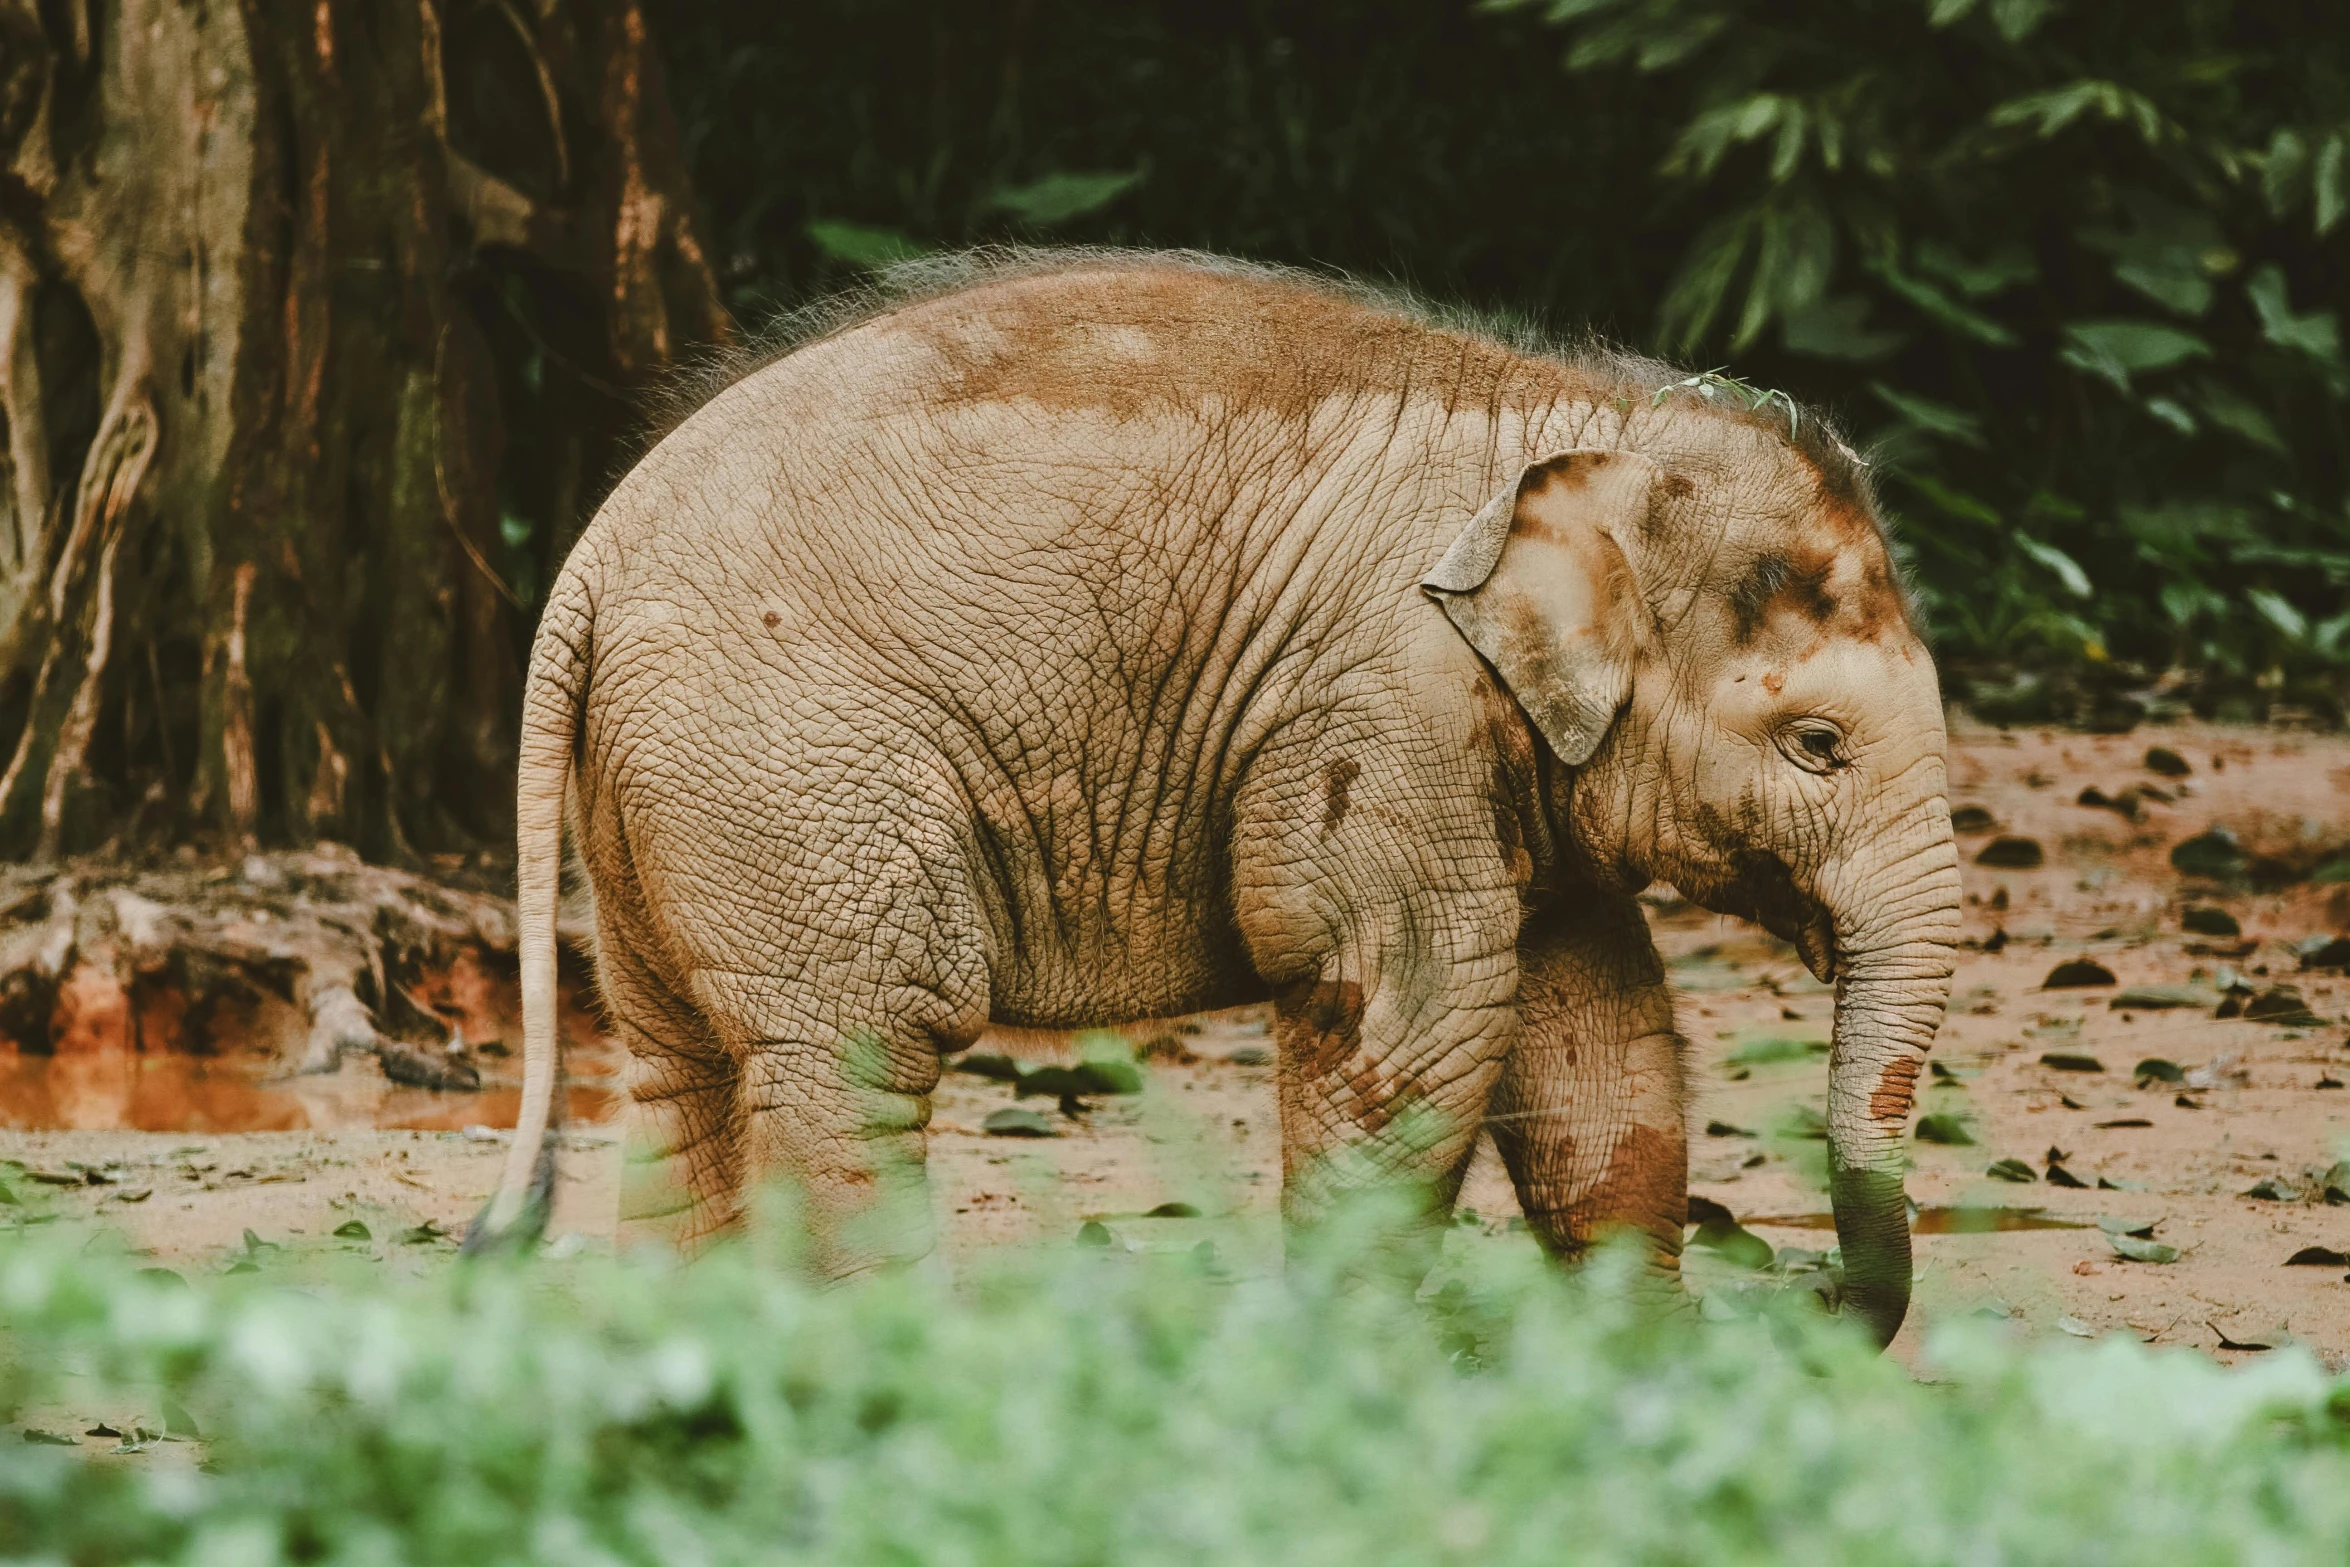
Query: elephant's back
(1135, 337)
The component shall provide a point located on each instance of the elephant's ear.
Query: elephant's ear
(1538, 584)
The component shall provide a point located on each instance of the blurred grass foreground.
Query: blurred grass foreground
(1106, 1404)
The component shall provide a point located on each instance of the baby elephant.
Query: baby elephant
(1077, 638)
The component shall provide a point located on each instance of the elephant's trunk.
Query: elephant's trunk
(1897, 927)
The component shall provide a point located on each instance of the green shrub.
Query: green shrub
(1106, 1405)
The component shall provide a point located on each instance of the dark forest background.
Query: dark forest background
(2071, 273)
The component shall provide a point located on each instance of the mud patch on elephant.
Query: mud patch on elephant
(1897, 1089)
(1645, 1187)
(1322, 1025)
(1375, 1102)
(1337, 779)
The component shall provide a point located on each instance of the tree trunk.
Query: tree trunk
(319, 330)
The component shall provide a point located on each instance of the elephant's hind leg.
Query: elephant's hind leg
(835, 993)
(681, 1170)
(834, 1098)
(1589, 1113)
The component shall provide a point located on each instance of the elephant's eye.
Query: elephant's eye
(1816, 747)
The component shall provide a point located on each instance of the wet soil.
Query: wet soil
(186, 1154)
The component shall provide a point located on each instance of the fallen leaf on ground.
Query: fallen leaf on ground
(1725, 1129)
(2013, 854)
(2213, 855)
(1944, 1129)
(2154, 1069)
(2125, 803)
(1173, 1210)
(2156, 998)
(2318, 1257)
(2125, 1121)
(353, 1230)
(1972, 819)
(2274, 1189)
(1093, 1233)
(2325, 952)
(2140, 1250)
(2058, 1175)
(1017, 1122)
(2162, 759)
(2011, 1170)
(1718, 1231)
(2207, 921)
(2281, 1005)
(41, 1438)
(2077, 974)
(2076, 1327)
(2143, 1228)
(2070, 1061)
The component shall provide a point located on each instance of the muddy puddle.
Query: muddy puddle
(130, 1091)
(134, 1076)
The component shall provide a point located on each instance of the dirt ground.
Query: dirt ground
(288, 1162)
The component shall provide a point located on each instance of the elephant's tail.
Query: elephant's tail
(553, 712)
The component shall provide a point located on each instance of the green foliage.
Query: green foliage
(1105, 1404)
(2082, 258)
(2072, 274)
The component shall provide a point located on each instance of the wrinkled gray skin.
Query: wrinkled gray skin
(1127, 636)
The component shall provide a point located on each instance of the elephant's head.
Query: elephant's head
(1710, 631)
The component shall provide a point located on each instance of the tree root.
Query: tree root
(307, 958)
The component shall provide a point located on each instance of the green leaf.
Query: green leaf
(1944, 1128)
(2282, 169)
(2140, 1250)
(2278, 613)
(1956, 502)
(863, 244)
(2050, 112)
(2176, 288)
(1952, 424)
(1057, 198)
(1771, 1049)
(1695, 299)
(2011, 1170)
(1836, 329)
(2017, 19)
(1941, 307)
(2117, 350)
(2068, 571)
(2172, 414)
(353, 1230)
(2239, 415)
(2317, 334)
(2002, 270)
(2326, 184)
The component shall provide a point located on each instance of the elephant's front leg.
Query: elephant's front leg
(1388, 1053)
(1589, 1114)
